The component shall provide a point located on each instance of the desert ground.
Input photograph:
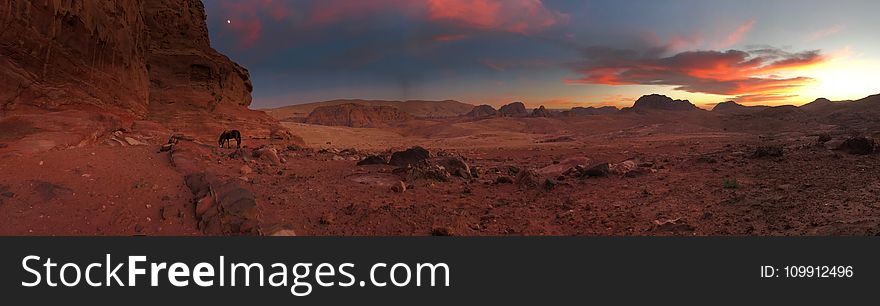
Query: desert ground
(669, 174)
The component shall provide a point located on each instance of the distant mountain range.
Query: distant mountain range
(828, 111)
(416, 108)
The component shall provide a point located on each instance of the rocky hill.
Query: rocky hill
(416, 108)
(515, 109)
(482, 112)
(655, 102)
(731, 107)
(357, 115)
(82, 69)
(590, 111)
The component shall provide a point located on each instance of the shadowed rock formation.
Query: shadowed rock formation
(661, 102)
(515, 109)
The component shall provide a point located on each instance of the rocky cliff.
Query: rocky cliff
(72, 71)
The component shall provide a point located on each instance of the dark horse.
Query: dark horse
(227, 137)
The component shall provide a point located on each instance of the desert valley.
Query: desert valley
(111, 112)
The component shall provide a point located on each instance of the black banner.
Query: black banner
(487, 271)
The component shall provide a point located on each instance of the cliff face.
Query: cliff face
(72, 71)
(61, 53)
(181, 63)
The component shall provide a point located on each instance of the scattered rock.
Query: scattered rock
(475, 172)
(410, 157)
(245, 170)
(549, 184)
(278, 230)
(623, 168)
(528, 178)
(373, 160)
(426, 172)
(399, 187)
(166, 147)
(768, 151)
(596, 170)
(224, 207)
(503, 180)
(673, 225)
(441, 231)
(267, 154)
(134, 142)
(455, 166)
(857, 146)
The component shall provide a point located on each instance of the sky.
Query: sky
(558, 53)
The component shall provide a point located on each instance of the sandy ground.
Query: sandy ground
(703, 180)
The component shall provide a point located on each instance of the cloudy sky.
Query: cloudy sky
(559, 53)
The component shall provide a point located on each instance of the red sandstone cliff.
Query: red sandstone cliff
(72, 71)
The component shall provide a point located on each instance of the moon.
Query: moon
(228, 21)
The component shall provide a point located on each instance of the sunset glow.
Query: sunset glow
(549, 52)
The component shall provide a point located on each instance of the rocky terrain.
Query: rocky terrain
(111, 111)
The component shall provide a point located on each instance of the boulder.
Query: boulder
(857, 146)
(267, 154)
(425, 172)
(410, 157)
(528, 179)
(455, 166)
(596, 170)
(223, 207)
(373, 160)
(623, 168)
(399, 187)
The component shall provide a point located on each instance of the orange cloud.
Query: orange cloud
(824, 33)
(737, 35)
(750, 75)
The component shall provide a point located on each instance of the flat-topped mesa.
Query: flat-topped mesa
(515, 109)
(357, 115)
(661, 102)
